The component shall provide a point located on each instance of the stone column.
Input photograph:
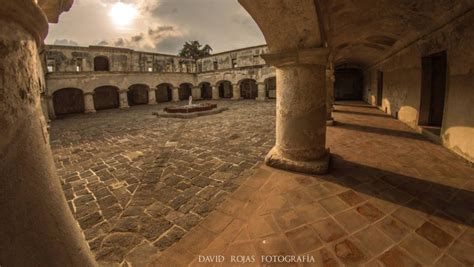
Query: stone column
(236, 92)
(262, 96)
(329, 96)
(300, 111)
(196, 92)
(152, 96)
(215, 92)
(175, 94)
(51, 112)
(123, 99)
(36, 225)
(89, 103)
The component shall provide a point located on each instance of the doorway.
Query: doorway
(379, 88)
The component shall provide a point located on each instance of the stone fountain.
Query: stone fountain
(190, 110)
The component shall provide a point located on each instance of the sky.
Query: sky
(156, 25)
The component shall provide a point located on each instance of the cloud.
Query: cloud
(65, 42)
(149, 40)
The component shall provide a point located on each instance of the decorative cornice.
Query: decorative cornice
(310, 56)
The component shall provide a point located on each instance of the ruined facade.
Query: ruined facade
(86, 79)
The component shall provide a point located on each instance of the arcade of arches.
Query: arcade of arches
(390, 183)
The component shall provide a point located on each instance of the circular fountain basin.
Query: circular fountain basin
(190, 108)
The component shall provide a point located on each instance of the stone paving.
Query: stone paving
(164, 191)
(137, 183)
(392, 198)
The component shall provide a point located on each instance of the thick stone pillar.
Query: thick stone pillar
(152, 96)
(215, 92)
(196, 93)
(301, 111)
(236, 92)
(36, 225)
(89, 103)
(123, 99)
(175, 94)
(329, 96)
(51, 111)
(262, 96)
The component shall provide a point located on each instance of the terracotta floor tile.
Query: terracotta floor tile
(370, 212)
(261, 226)
(393, 228)
(351, 198)
(303, 239)
(447, 261)
(311, 212)
(322, 257)
(396, 257)
(420, 248)
(298, 197)
(462, 252)
(373, 240)
(317, 191)
(328, 230)
(216, 222)
(349, 253)
(288, 219)
(333, 204)
(468, 236)
(435, 235)
(277, 245)
(238, 254)
(351, 220)
(408, 217)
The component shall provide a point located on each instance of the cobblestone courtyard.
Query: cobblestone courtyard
(137, 184)
(131, 177)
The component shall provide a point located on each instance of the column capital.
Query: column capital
(310, 56)
(27, 14)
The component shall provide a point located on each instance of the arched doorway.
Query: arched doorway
(349, 84)
(101, 63)
(106, 97)
(185, 91)
(68, 101)
(138, 94)
(206, 90)
(164, 93)
(248, 89)
(225, 89)
(270, 87)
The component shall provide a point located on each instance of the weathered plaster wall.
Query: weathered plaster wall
(245, 57)
(402, 83)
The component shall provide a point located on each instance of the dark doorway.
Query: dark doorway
(164, 93)
(185, 91)
(68, 101)
(137, 94)
(270, 87)
(101, 63)
(106, 97)
(206, 91)
(433, 89)
(349, 84)
(379, 88)
(225, 89)
(248, 89)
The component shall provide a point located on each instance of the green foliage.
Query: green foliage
(193, 49)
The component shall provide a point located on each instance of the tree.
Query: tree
(193, 49)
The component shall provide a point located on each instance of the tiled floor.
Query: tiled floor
(392, 198)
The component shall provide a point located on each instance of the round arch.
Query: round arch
(138, 94)
(101, 63)
(185, 91)
(206, 90)
(248, 89)
(225, 89)
(164, 92)
(68, 101)
(106, 97)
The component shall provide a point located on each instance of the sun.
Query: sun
(123, 14)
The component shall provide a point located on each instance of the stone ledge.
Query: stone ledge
(163, 114)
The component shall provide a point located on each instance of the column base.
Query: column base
(330, 122)
(124, 107)
(261, 98)
(90, 111)
(276, 160)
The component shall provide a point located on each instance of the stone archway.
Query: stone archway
(68, 101)
(248, 89)
(164, 92)
(206, 90)
(106, 97)
(225, 89)
(138, 94)
(101, 63)
(185, 91)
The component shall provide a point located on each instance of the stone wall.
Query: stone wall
(241, 58)
(402, 80)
